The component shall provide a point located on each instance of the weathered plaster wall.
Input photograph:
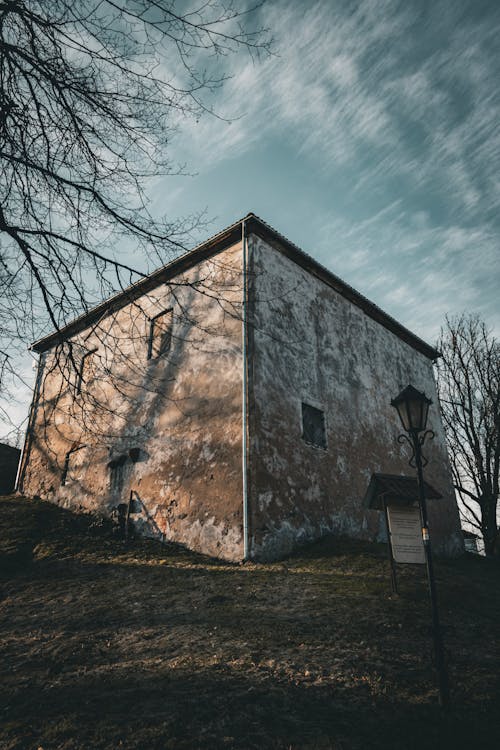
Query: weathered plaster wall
(310, 344)
(181, 411)
(171, 430)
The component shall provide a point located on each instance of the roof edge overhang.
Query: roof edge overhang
(211, 247)
(207, 249)
(396, 489)
(307, 262)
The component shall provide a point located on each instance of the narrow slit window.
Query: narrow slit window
(65, 471)
(67, 475)
(313, 426)
(86, 371)
(160, 334)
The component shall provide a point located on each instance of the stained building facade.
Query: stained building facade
(240, 395)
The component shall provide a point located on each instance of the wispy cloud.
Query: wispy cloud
(380, 87)
(397, 108)
(391, 110)
(417, 271)
(313, 88)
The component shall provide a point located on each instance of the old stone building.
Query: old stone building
(242, 394)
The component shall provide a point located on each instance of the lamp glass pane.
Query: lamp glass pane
(425, 412)
(413, 408)
(415, 411)
(404, 416)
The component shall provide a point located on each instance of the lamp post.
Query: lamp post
(413, 408)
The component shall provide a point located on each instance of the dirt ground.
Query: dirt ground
(141, 645)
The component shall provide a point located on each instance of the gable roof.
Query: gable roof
(214, 245)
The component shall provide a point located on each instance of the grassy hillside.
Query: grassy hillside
(107, 645)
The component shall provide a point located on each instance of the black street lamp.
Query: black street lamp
(413, 408)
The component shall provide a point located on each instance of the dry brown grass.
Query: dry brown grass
(149, 646)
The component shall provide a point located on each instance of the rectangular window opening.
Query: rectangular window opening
(160, 334)
(86, 370)
(117, 474)
(313, 426)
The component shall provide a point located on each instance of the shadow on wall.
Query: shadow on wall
(120, 409)
(134, 517)
(119, 468)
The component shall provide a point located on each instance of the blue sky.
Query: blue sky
(371, 138)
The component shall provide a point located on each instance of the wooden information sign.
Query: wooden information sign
(405, 534)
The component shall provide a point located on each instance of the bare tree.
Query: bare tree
(91, 92)
(469, 394)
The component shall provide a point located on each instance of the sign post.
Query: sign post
(394, 580)
(404, 502)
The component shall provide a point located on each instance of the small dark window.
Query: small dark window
(117, 473)
(160, 334)
(86, 371)
(313, 426)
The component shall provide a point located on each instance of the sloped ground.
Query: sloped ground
(107, 645)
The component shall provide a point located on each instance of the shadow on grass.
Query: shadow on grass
(152, 646)
(214, 709)
(33, 528)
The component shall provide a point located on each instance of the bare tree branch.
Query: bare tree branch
(469, 394)
(91, 93)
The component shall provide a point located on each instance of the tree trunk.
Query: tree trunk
(489, 527)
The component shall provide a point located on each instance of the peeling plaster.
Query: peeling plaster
(307, 343)
(183, 410)
(311, 344)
